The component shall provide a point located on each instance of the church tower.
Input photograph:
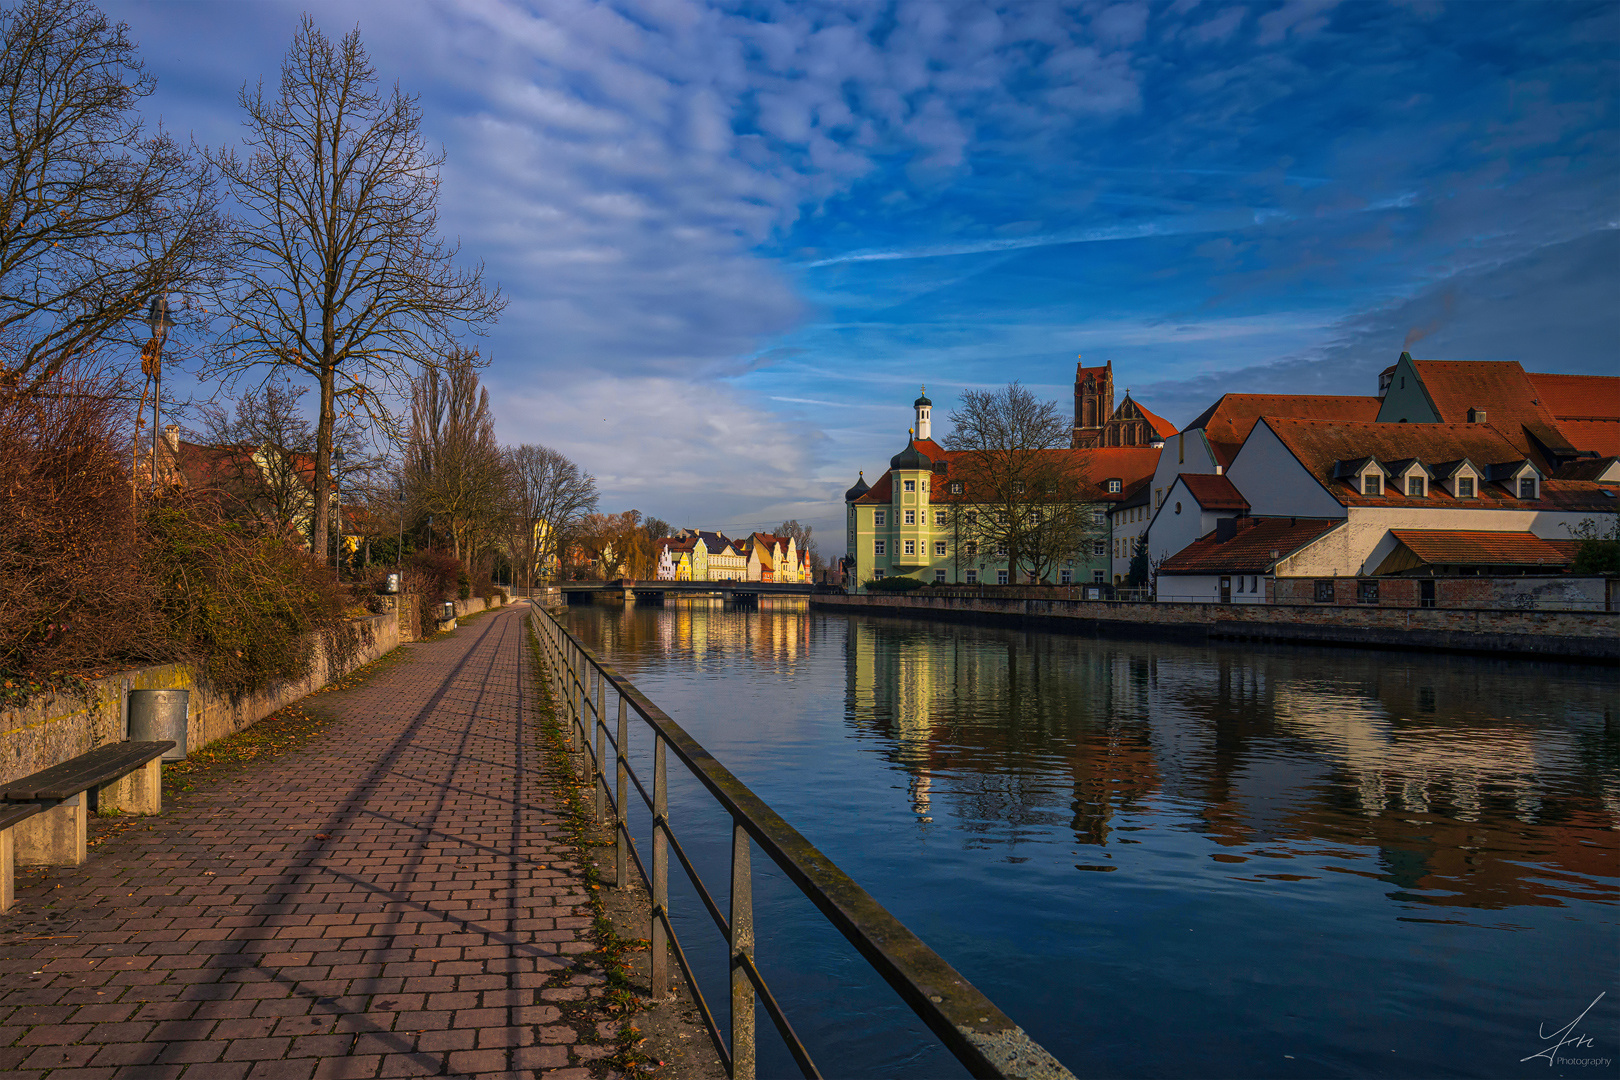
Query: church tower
(1093, 402)
(924, 407)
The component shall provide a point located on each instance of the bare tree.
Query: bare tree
(96, 214)
(342, 273)
(1014, 486)
(549, 496)
(453, 467)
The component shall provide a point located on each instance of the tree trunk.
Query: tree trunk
(322, 509)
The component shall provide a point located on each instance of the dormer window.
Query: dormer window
(1465, 487)
(1527, 487)
(956, 487)
(1416, 485)
(1114, 487)
(1372, 484)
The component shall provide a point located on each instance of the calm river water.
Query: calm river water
(1163, 861)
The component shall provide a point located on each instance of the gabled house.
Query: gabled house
(1378, 479)
(1235, 562)
(1193, 506)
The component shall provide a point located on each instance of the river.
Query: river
(1161, 860)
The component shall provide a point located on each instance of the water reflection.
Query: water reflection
(1102, 834)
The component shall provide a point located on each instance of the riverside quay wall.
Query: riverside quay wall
(53, 728)
(1560, 635)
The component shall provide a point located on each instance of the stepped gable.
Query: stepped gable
(1228, 422)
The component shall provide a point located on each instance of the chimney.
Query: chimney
(1476, 416)
(171, 435)
(1225, 529)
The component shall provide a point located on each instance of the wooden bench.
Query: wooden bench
(43, 817)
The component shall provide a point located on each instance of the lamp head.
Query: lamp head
(157, 317)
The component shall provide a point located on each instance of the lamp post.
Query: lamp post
(337, 491)
(399, 553)
(157, 319)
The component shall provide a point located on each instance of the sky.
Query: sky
(737, 238)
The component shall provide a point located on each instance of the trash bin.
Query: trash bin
(447, 611)
(155, 715)
(393, 584)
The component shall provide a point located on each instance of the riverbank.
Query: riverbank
(1586, 636)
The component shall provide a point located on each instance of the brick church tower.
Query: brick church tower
(1093, 403)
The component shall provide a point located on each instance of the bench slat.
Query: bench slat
(11, 815)
(98, 767)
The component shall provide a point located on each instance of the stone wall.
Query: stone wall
(1577, 635)
(53, 729)
(1517, 593)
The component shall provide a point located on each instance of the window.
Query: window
(972, 577)
(880, 547)
(1465, 487)
(973, 548)
(1113, 487)
(1372, 484)
(1065, 577)
(1018, 486)
(956, 487)
(1001, 577)
(877, 573)
(939, 576)
(939, 547)
(1158, 498)
(880, 518)
(911, 517)
(1367, 592)
(1096, 548)
(1240, 583)
(1527, 487)
(1415, 485)
(911, 547)
(1099, 517)
(1001, 517)
(1324, 592)
(1097, 577)
(939, 519)
(1254, 583)
(1001, 549)
(911, 485)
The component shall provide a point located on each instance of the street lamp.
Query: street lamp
(157, 319)
(337, 491)
(399, 553)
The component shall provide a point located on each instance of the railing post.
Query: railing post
(621, 875)
(600, 779)
(742, 946)
(658, 935)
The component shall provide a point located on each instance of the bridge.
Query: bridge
(630, 591)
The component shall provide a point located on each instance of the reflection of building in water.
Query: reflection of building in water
(892, 680)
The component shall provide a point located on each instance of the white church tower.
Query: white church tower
(923, 407)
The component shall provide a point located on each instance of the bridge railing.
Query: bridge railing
(983, 1038)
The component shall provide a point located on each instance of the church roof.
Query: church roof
(923, 399)
(911, 457)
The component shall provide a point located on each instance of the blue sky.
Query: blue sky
(737, 238)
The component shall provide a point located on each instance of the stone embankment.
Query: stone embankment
(1552, 635)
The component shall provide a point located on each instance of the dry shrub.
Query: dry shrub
(431, 576)
(74, 595)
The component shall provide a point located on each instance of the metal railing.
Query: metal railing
(966, 1022)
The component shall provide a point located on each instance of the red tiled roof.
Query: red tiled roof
(1578, 397)
(1459, 547)
(1585, 468)
(1161, 427)
(1228, 422)
(1213, 492)
(1318, 445)
(1095, 466)
(1248, 552)
(1600, 436)
(1511, 402)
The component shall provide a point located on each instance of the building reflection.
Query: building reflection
(1412, 771)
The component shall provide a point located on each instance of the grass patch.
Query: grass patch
(619, 996)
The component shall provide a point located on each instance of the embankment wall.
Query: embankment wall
(1571, 635)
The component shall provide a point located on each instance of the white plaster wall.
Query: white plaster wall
(1275, 483)
(1189, 588)
(1197, 455)
(1170, 531)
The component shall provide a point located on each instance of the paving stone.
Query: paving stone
(395, 898)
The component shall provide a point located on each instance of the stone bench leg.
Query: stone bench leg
(53, 838)
(141, 792)
(8, 870)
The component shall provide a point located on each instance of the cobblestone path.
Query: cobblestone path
(395, 898)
